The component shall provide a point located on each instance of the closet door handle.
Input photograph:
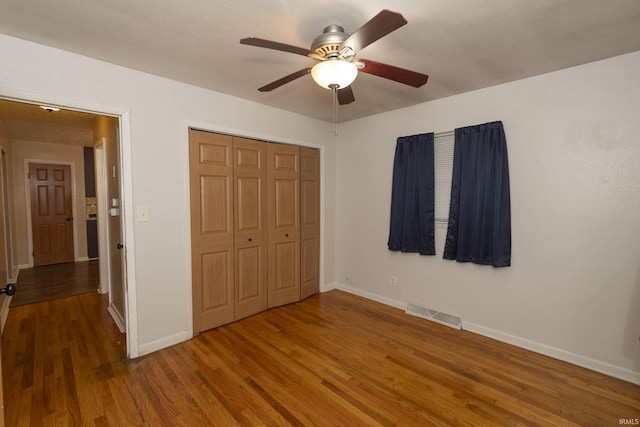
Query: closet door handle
(250, 239)
(286, 235)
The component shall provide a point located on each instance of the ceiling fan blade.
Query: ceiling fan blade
(345, 96)
(268, 44)
(377, 27)
(286, 79)
(390, 72)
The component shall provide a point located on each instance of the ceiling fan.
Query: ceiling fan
(335, 54)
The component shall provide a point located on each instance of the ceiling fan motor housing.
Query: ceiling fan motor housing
(327, 44)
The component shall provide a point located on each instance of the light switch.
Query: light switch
(114, 211)
(143, 214)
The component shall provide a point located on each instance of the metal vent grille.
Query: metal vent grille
(434, 315)
(327, 49)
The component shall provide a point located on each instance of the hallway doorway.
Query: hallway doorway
(35, 135)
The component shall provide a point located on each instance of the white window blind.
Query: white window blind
(443, 168)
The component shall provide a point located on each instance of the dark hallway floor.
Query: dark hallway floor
(51, 282)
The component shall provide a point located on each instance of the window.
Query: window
(443, 168)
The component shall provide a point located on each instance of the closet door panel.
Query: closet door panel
(214, 203)
(309, 271)
(249, 198)
(250, 281)
(309, 222)
(214, 271)
(286, 199)
(211, 172)
(283, 200)
(250, 174)
(285, 270)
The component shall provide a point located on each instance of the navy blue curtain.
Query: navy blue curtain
(412, 196)
(479, 229)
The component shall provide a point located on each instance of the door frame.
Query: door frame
(74, 213)
(241, 133)
(8, 215)
(8, 246)
(103, 229)
(126, 194)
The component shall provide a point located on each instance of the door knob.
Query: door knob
(250, 239)
(119, 246)
(69, 219)
(286, 235)
(9, 290)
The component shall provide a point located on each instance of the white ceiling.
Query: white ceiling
(463, 45)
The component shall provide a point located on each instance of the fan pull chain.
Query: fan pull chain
(334, 89)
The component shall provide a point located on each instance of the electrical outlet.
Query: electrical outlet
(394, 281)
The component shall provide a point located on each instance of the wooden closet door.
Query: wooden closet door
(283, 200)
(309, 222)
(250, 176)
(211, 182)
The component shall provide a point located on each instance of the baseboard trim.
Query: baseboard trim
(117, 317)
(16, 273)
(368, 295)
(4, 312)
(328, 287)
(556, 353)
(83, 259)
(164, 342)
(23, 266)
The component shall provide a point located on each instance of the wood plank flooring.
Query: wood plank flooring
(56, 281)
(331, 360)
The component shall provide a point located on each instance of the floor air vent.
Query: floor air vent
(434, 315)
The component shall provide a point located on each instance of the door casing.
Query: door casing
(126, 194)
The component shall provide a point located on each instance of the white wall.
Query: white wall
(573, 290)
(160, 112)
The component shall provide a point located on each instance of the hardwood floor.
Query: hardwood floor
(56, 281)
(333, 359)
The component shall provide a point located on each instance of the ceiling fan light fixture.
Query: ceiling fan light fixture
(334, 73)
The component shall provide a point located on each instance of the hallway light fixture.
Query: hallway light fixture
(49, 109)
